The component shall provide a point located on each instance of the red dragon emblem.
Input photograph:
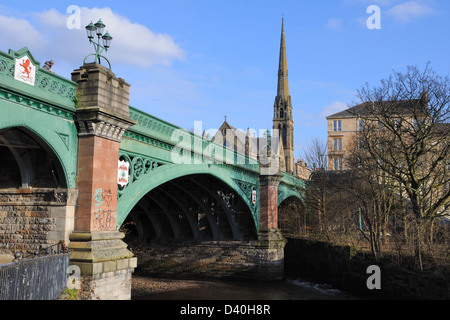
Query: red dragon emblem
(26, 68)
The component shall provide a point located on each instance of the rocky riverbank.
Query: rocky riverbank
(144, 286)
(150, 288)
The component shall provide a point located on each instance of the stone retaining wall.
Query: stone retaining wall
(214, 259)
(341, 267)
(32, 219)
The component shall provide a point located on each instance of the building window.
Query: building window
(337, 163)
(337, 125)
(337, 144)
(360, 143)
(380, 143)
(380, 125)
(361, 125)
(284, 135)
(418, 123)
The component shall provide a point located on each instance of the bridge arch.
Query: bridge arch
(29, 159)
(194, 202)
(291, 216)
(286, 192)
(57, 135)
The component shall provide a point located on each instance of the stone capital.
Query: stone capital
(97, 122)
(270, 180)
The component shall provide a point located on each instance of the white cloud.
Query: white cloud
(334, 24)
(409, 10)
(132, 44)
(333, 108)
(400, 10)
(18, 33)
(371, 2)
(47, 35)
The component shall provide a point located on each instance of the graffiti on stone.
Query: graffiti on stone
(102, 212)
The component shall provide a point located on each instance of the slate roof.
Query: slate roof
(403, 107)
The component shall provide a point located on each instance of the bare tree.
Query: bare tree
(317, 154)
(316, 192)
(374, 194)
(405, 134)
(327, 199)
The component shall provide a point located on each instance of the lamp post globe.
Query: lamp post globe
(90, 29)
(100, 27)
(107, 40)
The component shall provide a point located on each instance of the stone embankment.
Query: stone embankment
(33, 219)
(347, 270)
(214, 259)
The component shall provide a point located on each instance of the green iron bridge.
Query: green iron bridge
(210, 192)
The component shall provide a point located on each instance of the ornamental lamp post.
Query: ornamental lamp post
(97, 29)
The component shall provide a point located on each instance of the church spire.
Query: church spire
(282, 116)
(283, 83)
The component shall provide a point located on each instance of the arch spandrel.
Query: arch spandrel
(287, 190)
(168, 172)
(58, 136)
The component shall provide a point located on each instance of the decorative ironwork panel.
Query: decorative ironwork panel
(139, 168)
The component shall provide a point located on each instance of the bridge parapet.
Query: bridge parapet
(185, 147)
(36, 82)
(290, 186)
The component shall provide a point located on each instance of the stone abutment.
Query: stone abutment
(33, 219)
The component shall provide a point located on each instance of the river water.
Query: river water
(288, 289)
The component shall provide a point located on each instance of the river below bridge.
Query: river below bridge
(145, 288)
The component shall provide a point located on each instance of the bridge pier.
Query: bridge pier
(270, 264)
(101, 118)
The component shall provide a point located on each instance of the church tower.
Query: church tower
(282, 118)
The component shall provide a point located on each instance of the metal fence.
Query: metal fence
(38, 278)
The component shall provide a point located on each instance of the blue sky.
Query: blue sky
(193, 60)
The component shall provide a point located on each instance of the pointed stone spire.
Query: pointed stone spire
(283, 83)
(283, 119)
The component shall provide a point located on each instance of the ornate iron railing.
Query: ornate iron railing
(41, 275)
